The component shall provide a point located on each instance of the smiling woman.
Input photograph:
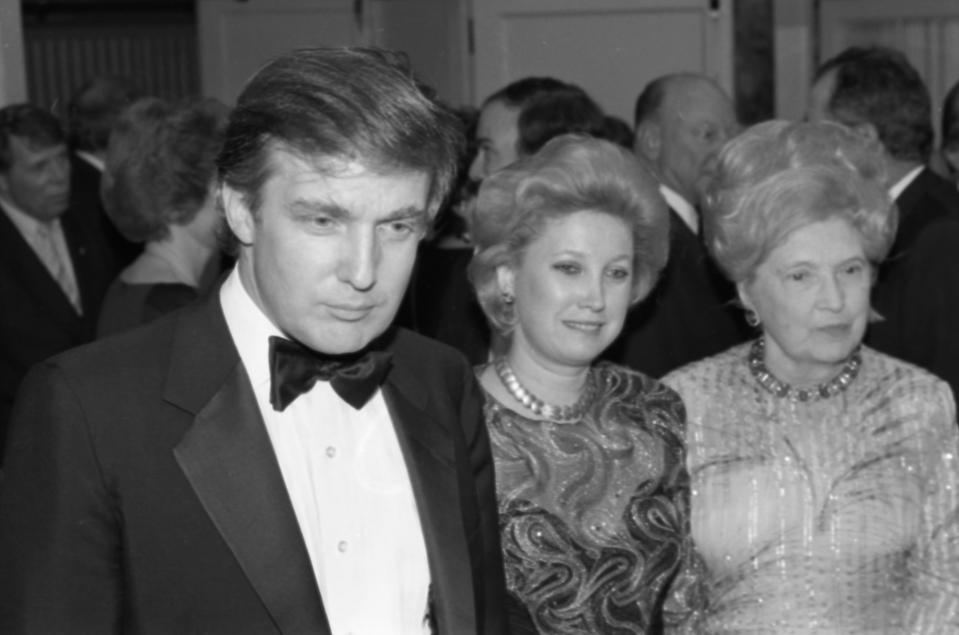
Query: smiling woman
(824, 476)
(592, 491)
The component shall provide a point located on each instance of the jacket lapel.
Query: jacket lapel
(429, 452)
(228, 459)
(36, 279)
(90, 269)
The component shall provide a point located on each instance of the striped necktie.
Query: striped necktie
(49, 253)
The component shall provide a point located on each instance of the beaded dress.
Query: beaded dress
(831, 516)
(593, 513)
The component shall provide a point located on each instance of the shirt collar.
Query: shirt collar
(682, 207)
(904, 182)
(92, 159)
(249, 326)
(27, 225)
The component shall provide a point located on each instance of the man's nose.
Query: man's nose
(359, 259)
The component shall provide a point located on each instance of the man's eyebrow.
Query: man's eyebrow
(411, 211)
(308, 206)
(313, 206)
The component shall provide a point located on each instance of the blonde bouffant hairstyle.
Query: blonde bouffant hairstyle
(571, 173)
(779, 176)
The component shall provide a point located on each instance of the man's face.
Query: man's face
(497, 133)
(697, 119)
(328, 255)
(38, 179)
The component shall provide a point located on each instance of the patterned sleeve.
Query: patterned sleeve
(935, 564)
(685, 597)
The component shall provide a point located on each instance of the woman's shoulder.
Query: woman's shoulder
(633, 389)
(631, 381)
(707, 370)
(894, 378)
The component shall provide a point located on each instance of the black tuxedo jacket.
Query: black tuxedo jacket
(85, 204)
(36, 318)
(142, 494)
(689, 314)
(917, 290)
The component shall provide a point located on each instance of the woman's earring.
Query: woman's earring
(752, 319)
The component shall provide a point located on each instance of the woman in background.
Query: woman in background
(589, 458)
(824, 477)
(159, 187)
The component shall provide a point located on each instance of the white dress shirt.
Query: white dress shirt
(682, 207)
(350, 490)
(47, 241)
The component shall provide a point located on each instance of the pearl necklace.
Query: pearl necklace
(781, 389)
(556, 414)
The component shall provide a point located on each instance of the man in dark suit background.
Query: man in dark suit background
(91, 113)
(53, 271)
(878, 93)
(681, 121)
(202, 475)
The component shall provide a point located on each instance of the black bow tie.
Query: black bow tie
(294, 369)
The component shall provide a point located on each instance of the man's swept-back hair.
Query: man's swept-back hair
(94, 108)
(38, 127)
(878, 85)
(330, 105)
(548, 107)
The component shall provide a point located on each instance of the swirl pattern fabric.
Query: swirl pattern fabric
(838, 516)
(594, 514)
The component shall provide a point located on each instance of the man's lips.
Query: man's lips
(350, 312)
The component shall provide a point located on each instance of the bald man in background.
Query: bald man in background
(681, 121)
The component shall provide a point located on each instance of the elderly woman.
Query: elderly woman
(825, 489)
(159, 188)
(589, 457)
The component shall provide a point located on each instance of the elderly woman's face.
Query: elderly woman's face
(812, 297)
(572, 289)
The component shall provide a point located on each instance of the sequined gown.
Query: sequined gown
(593, 514)
(831, 517)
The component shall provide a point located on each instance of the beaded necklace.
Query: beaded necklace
(556, 414)
(781, 389)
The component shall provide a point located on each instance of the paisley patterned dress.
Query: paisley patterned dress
(593, 514)
(831, 517)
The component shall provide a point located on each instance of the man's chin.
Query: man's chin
(340, 341)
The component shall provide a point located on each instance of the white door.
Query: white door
(13, 83)
(237, 38)
(433, 33)
(611, 48)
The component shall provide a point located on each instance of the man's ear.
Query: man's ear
(238, 214)
(505, 279)
(648, 140)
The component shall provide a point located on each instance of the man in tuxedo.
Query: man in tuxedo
(681, 121)
(53, 272)
(877, 92)
(276, 459)
(91, 113)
